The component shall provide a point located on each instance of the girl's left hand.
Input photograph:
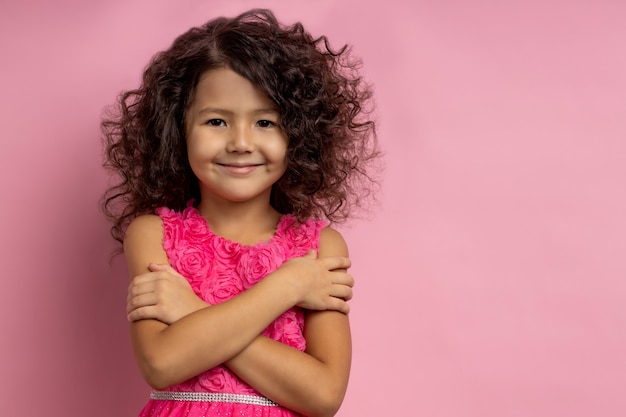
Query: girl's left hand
(161, 294)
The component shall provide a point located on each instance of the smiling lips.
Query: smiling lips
(240, 169)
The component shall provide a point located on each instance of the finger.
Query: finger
(164, 268)
(132, 290)
(337, 304)
(342, 291)
(139, 289)
(312, 254)
(343, 279)
(155, 278)
(147, 277)
(336, 262)
(140, 301)
(142, 313)
(158, 267)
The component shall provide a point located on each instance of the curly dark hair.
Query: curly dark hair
(324, 106)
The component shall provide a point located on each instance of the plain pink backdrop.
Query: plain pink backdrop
(492, 278)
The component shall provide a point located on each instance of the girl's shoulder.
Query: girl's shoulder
(142, 241)
(145, 224)
(333, 241)
(144, 221)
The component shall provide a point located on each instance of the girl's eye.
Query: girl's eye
(265, 123)
(216, 122)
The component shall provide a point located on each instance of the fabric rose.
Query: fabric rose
(225, 252)
(195, 226)
(220, 379)
(193, 262)
(288, 329)
(258, 261)
(172, 226)
(214, 380)
(220, 286)
(301, 237)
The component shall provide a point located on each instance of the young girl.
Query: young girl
(242, 135)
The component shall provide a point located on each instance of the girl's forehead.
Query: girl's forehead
(223, 87)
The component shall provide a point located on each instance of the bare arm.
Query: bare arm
(167, 355)
(312, 382)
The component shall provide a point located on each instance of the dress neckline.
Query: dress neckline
(279, 226)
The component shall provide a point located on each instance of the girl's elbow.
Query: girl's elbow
(328, 402)
(156, 372)
(158, 380)
(325, 411)
(156, 383)
(155, 378)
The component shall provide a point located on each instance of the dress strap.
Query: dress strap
(217, 397)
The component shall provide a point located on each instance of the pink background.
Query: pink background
(491, 281)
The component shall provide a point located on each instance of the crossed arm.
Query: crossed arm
(175, 335)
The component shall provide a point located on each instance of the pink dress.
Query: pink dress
(219, 269)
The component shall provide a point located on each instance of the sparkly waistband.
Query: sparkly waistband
(217, 397)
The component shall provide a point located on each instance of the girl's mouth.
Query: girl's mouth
(240, 169)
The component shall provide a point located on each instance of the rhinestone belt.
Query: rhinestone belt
(218, 397)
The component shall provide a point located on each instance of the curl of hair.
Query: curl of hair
(324, 110)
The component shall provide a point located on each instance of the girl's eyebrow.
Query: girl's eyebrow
(230, 112)
(267, 110)
(214, 110)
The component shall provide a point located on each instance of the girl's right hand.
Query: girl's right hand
(322, 283)
(161, 294)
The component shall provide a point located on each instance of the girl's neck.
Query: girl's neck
(247, 222)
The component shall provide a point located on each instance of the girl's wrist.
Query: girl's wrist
(287, 284)
(200, 305)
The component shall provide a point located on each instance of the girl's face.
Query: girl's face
(235, 146)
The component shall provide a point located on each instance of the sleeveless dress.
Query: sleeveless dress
(219, 269)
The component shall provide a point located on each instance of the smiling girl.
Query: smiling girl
(244, 140)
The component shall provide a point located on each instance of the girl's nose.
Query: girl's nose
(241, 140)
